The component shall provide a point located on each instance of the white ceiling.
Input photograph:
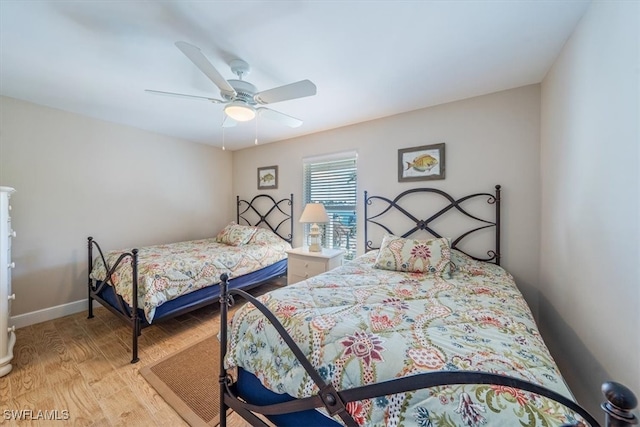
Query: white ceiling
(368, 59)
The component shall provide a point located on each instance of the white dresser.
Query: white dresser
(7, 334)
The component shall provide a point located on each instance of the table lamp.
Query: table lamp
(313, 214)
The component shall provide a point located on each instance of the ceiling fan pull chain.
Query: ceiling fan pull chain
(223, 148)
(256, 141)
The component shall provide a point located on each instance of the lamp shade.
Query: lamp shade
(314, 213)
(240, 111)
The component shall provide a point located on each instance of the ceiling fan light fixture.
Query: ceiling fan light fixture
(240, 111)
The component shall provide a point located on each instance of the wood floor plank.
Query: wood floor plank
(28, 373)
(124, 408)
(163, 414)
(81, 347)
(116, 352)
(5, 391)
(61, 370)
(101, 377)
(75, 396)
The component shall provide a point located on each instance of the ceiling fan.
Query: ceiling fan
(241, 97)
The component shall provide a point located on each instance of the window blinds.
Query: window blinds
(333, 182)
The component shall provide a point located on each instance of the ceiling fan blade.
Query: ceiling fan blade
(197, 57)
(279, 117)
(182, 95)
(283, 93)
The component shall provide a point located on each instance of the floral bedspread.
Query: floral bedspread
(360, 325)
(168, 271)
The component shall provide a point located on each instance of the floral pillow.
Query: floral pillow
(235, 235)
(414, 256)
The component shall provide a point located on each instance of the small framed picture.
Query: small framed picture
(421, 163)
(268, 178)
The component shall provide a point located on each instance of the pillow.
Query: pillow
(414, 256)
(235, 235)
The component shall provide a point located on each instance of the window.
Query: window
(332, 182)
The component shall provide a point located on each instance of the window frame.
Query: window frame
(345, 237)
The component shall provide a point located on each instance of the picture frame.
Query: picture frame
(268, 178)
(423, 163)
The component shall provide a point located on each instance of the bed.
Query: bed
(397, 337)
(168, 280)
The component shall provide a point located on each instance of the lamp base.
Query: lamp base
(315, 239)
(315, 247)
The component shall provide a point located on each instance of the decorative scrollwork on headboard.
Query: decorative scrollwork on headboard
(424, 222)
(268, 212)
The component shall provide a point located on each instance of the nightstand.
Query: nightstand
(303, 264)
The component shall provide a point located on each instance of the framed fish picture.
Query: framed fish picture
(268, 178)
(421, 163)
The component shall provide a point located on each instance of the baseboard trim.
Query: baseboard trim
(39, 316)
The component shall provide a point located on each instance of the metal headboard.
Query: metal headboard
(275, 215)
(493, 255)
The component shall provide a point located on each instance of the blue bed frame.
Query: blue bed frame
(263, 211)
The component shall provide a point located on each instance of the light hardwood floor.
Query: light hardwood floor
(83, 366)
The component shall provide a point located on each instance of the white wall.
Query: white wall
(77, 177)
(590, 258)
(491, 139)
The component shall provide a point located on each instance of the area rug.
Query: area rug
(192, 392)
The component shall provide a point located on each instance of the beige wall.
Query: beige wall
(590, 258)
(77, 177)
(491, 139)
